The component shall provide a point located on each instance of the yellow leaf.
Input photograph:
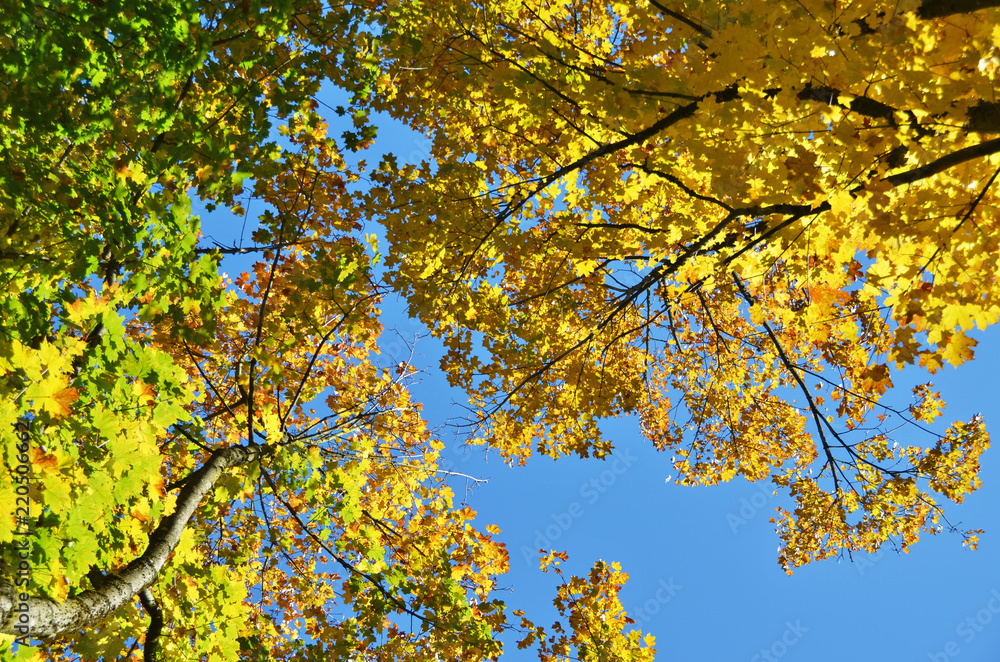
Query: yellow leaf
(840, 204)
(959, 349)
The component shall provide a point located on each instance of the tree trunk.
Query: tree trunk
(42, 617)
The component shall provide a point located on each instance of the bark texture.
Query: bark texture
(46, 617)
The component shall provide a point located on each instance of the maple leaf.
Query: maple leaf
(840, 204)
(53, 396)
(606, 223)
(959, 348)
(58, 404)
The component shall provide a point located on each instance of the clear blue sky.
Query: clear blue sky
(704, 577)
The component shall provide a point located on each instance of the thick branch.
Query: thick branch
(983, 117)
(957, 157)
(151, 649)
(47, 617)
(860, 105)
(939, 8)
(683, 112)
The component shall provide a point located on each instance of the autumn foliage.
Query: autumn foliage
(684, 212)
(736, 221)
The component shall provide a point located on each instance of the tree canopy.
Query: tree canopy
(735, 221)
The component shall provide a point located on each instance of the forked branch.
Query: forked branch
(47, 617)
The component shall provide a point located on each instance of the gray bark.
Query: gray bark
(47, 617)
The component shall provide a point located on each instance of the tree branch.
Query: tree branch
(941, 8)
(47, 617)
(783, 357)
(151, 649)
(957, 157)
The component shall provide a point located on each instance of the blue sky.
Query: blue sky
(704, 577)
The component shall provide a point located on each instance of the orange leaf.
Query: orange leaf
(58, 404)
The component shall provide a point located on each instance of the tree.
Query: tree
(160, 431)
(678, 211)
(682, 210)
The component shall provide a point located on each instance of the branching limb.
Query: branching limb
(694, 25)
(817, 416)
(958, 157)
(391, 597)
(314, 357)
(151, 649)
(720, 341)
(47, 617)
